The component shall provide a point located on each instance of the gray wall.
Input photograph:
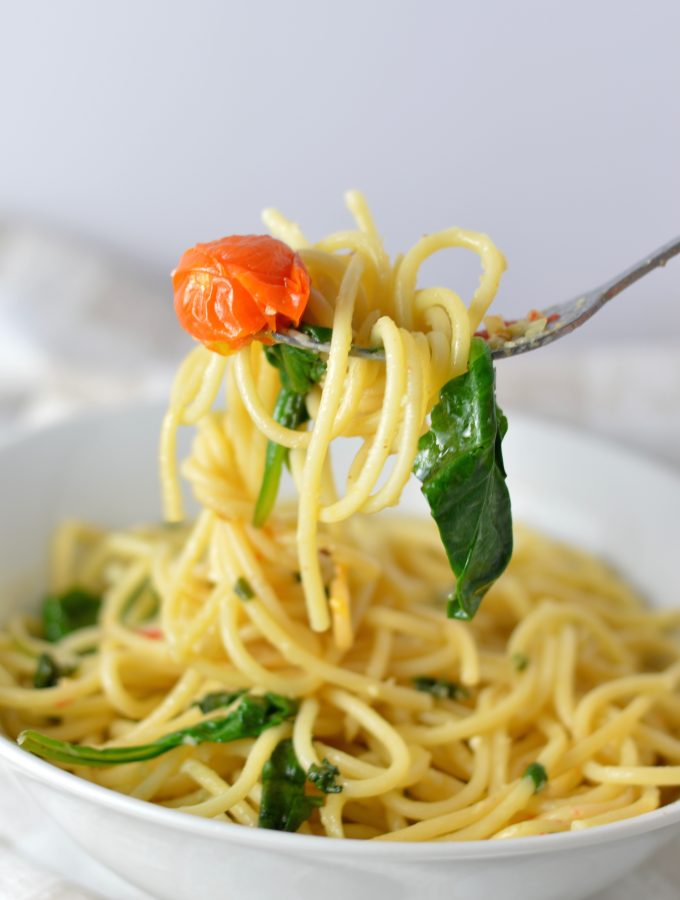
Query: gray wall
(554, 126)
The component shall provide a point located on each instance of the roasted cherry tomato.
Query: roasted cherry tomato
(230, 290)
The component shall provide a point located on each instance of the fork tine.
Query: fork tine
(306, 342)
(571, 314)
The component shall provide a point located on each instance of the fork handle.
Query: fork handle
(635, 272)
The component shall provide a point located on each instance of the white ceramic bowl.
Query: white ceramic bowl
(103, 467)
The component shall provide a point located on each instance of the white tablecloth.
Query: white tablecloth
(65, 345)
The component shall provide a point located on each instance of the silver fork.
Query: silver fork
(562, 318)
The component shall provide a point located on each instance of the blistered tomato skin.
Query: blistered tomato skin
(231, 289)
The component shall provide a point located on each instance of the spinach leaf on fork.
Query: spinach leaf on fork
(460, 465)
(299, 370)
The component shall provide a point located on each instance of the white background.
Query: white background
(553, 126)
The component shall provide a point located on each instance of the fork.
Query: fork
(561, 318)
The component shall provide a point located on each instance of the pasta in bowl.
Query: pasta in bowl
(226, 684)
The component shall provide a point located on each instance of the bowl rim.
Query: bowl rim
(60, 780)
(258, 838)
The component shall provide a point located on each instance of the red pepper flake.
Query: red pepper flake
(554, 317)
(482, 333)
(533, 315)
(151, 632)
(67, 701)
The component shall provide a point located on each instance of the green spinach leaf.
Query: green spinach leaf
(285, 805)
(217, 700)
(251, 717)
(47, 672)
(319, 332)
(243, 589)
(537, 775)
(299, 371)
(323, 777)
(69, 611)
(520, 661)
(460, 465)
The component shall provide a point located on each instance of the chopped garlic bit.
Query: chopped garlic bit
(499, 330)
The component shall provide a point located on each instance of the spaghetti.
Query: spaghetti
(192, 679)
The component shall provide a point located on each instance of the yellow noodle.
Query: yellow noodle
(563, 672)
